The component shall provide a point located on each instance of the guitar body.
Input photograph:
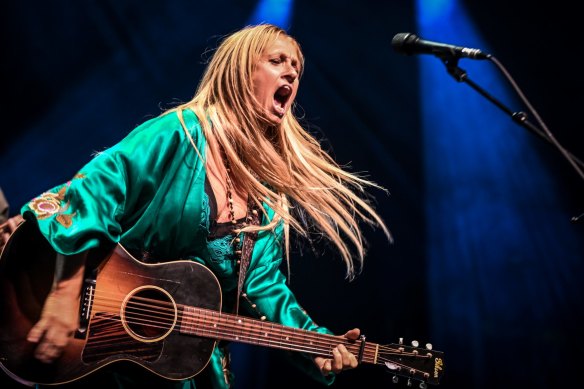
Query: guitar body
(120, 323)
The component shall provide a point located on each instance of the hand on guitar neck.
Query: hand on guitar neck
(342, 359)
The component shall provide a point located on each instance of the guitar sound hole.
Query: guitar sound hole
(149, 314)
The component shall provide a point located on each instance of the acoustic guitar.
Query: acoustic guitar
(164, 317)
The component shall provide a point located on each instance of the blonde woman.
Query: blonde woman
(189, 184)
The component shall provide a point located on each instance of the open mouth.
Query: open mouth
(281, 98)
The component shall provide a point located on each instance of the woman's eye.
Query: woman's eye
(275, 61)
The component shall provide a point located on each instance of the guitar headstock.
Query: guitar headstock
(417, 364)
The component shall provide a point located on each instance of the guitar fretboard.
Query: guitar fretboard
(217, 325)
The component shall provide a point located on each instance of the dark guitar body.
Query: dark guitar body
(27, 267)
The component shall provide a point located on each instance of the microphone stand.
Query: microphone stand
(460, 75)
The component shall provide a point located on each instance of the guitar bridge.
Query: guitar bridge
(87, 297)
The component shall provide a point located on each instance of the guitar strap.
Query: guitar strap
(249, 239)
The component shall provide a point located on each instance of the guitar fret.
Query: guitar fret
(186, 324)
(239, 325)
(216, 326)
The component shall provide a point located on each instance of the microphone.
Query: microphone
(408, 44)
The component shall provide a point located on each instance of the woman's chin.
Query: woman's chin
(275, 117)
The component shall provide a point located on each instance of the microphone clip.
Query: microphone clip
(451, 63)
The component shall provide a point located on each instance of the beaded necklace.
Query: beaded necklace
(243, 253)
(228, 187)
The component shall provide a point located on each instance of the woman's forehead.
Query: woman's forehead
(285, 45)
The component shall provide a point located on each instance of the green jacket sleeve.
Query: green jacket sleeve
(114, 190)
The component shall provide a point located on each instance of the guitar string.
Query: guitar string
(244, 318)
(222, 334)
(213, 330)
(256, 333)
(225, 315)
(106, 351)
(290, 345)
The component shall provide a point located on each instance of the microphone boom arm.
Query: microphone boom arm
(460, 75)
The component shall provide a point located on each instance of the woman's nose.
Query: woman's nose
(291, 74)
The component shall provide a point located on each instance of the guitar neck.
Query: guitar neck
(222, 326)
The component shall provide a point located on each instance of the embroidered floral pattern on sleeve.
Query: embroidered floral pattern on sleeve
(49, 204)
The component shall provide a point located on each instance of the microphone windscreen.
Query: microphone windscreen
(402, 42)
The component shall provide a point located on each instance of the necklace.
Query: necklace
(252, 214)
(251, 209)
(228, 189)
(242, 250)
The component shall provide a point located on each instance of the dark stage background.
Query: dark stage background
(503, 300)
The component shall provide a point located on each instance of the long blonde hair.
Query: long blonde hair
(277, 163)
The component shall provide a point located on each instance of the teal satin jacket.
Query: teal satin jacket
(147, 193)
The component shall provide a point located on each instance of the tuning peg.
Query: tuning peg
(395, 379)
(429, 346)
(401, 340)
(415, 343)
(423, 385)
(409, 382)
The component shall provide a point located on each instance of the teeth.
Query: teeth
(284, 90)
